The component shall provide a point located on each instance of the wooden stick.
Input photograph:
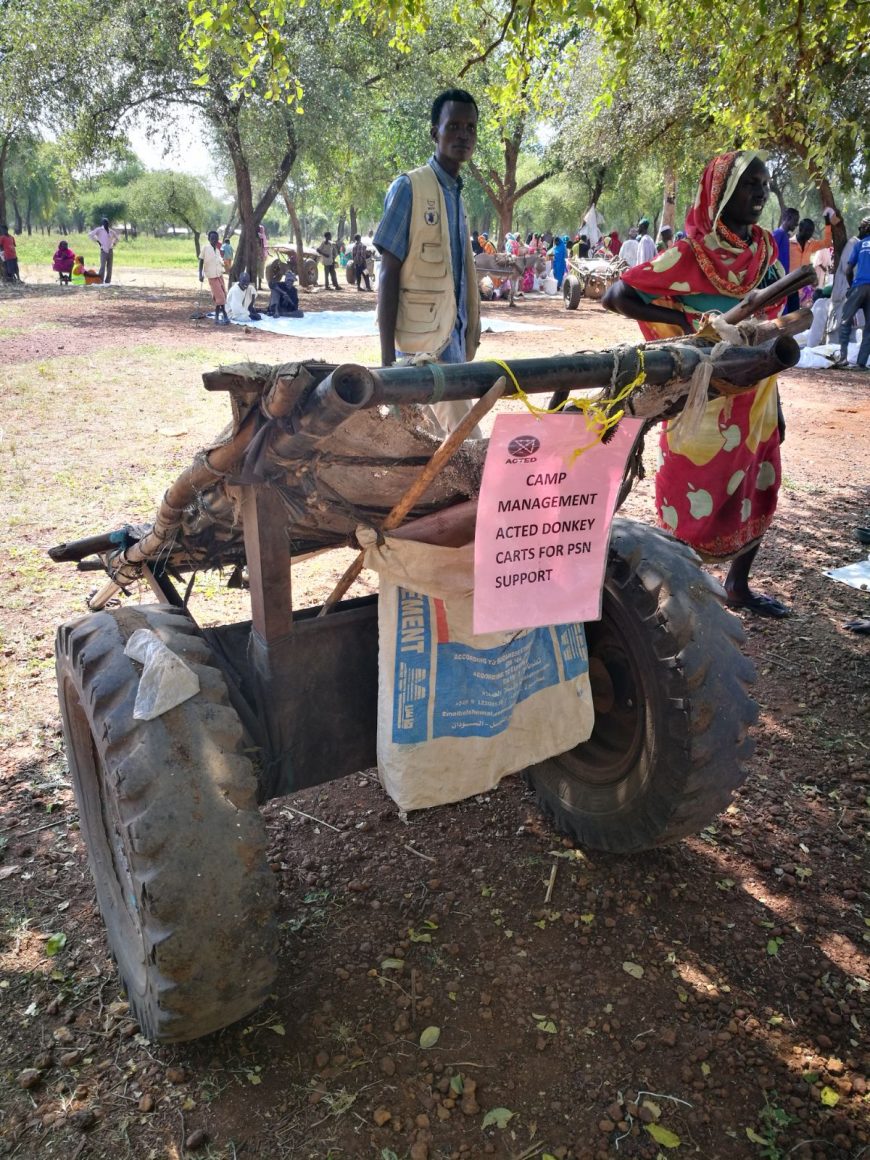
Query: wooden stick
(794, 323)
(436, 464)
(551, 883)
(756, 300)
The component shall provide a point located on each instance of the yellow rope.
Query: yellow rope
(599, 415)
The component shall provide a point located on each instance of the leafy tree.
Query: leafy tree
(32, 181)
(794, 77)
(162, 198)
(34, 63)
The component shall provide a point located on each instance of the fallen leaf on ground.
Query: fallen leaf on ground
(663, 1136)
(498, 1117)
(55, 943)
(633, 969)
(430, 1036)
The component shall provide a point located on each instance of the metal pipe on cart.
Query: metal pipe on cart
(359, 387)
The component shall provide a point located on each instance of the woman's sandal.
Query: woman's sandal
(760, 605)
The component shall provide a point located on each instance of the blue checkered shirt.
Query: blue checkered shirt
(393, 235)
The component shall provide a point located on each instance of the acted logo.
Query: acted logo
(523, 448)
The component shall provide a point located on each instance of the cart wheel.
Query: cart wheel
(168, 813)
(672, 709)
(572, 291)
(309, 272)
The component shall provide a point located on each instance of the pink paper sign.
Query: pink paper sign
(543, 521)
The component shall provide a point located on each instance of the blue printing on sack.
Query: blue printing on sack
(476, 690)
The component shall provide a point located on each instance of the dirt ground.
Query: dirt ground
(744, 1036)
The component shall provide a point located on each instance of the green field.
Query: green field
(144, 251)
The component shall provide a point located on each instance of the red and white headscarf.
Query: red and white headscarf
(711, 259)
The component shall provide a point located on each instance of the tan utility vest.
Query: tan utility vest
(427, 297)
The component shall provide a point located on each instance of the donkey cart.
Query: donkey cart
(169, 805)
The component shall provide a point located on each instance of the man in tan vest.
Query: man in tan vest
(428, 300)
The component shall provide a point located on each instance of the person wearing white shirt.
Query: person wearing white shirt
(106, 238)
(628, 250)
(646, 247)
(240, 300)
(211, 266)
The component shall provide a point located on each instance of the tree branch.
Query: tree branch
(469, 64)
(533, 184)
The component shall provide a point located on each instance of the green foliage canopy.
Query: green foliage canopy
(773, 72)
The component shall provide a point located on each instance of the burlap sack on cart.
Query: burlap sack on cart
(457, 712)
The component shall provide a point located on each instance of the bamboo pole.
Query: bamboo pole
(436, 464)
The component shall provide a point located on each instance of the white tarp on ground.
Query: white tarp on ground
(362, 324)
(820, 358)
(856, 575)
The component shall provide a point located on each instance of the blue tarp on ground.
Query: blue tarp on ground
(360, 324)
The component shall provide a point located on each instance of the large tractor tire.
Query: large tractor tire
(350, 273)
(572, 291)
(175, 841)
(672, 708)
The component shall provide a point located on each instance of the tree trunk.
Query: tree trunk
(839, 234)
(777, 193)
(505, 221)
(28, 213)
(297, 234)
(231, 219)
(598, 184)
(226, 115)
(248, 250)
(4, 153)
(669, 202)
(192, 226)
(339, 233)
(354, 228)
(17, 212)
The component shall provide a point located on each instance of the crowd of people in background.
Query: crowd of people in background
(839, 301)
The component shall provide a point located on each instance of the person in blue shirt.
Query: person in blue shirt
(453, 130)
(788, 223)
(858, 298)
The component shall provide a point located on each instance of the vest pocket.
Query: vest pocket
(419, 311)
(432, 261)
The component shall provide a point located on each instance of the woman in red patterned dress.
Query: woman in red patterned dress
(716, 489)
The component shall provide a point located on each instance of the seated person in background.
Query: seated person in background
(284, 298)
(79, 275)
(275, 269)
(240, 301)
(9, 255)
(62, 262)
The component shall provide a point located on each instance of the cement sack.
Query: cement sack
(456, 712)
